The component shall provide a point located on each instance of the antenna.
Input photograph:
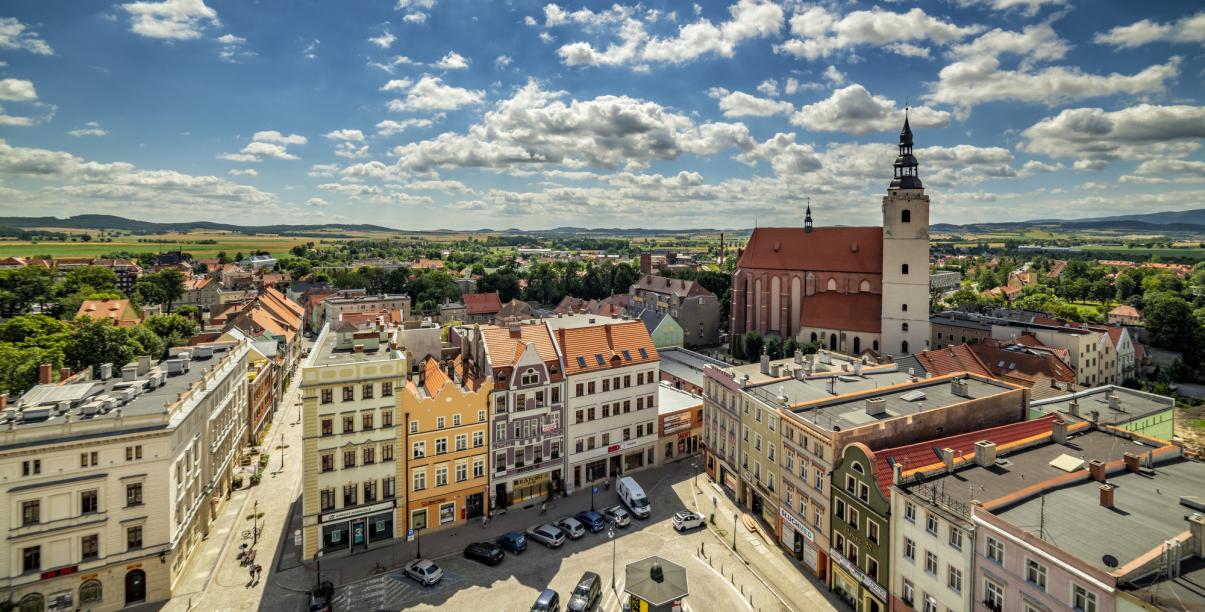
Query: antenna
(1042, 518)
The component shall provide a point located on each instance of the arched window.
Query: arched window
(864, 286)
(91, 592)
(813, 336)
(857, 345)
(530, 377)
(904, 269)
(857, 467)
(904, 307)
(34, 602)
(832, 285)
(906, 216)
(903, 327)
(832, 342)
(875, 345)
(904, 347)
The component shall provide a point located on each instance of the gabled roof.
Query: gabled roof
(835, 249)
(502, 348)
(844, 311)
(600, 347)
(927, 454)
(481, 303)
(1125, 310)
(952, 359)
(120, 312)
(1021, 365)
(670, 286)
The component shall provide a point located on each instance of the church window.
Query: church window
(904, 269)
(813, 336)
(832, 285)
(904, 307)
(906, 216)
(857, 345)
(875, 346)
(904, 346)
(832, 342)
(864, 287)
(903, 327)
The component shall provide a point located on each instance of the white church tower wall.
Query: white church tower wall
(905, 321)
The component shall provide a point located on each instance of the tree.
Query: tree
(190, 312)
(147, 292)
(789, 347)
(23, 287)
(753, 346)
(773, 347)
(737, 348)
(147, 342)
(19, 365)
(163, 287)
(31, 326)
(171, 326)
(1172, 324)
(504, 281)
(97, 341)
(623, 276)
(433, 286)
(95, 277)
(223, 258)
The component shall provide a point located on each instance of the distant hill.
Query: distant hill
(1165, 221)
(112, 222)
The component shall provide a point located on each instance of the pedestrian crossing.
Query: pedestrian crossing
(390, 591)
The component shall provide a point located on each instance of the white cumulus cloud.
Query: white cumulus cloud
(171, 19)
(452, 61)
(430, 93)
(15, 35)
(91, 128)
(1189, 29)
(854, 110)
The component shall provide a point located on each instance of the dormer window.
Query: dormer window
(530, 377)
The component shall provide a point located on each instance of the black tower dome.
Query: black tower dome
(905, 164)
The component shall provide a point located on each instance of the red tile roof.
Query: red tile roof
(600, 347)
(120, 312)
(1021, 366)
(834, 249)
(951, 360)
(481, 303)
(844, 311)
(503, 347)
(927, 454)
(1125, 310)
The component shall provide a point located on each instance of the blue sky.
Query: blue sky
(465, 114)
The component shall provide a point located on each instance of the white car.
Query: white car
(686, 520)
(617, 515)
(424, 571)
(546, 534)
(572, 527)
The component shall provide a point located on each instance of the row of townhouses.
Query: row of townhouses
(902, 490)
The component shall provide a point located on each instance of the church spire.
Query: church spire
(906, 176)
(807, 217)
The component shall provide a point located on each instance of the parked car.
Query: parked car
(424, 571)
(592, 520)
(572, 527)
(586, 595)
(686, 520)
(512, 541)
(484, 552)
(633, 497)
(547, 534)
(548, 601)
(617, 515)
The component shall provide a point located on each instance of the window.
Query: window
(606, 438)
(931, 523)
(578, 390)
(863, 492)
(578, 416)
(872, 531)
(327, 396)
(420, 450)
(413, 427)
(366, 421)
(349, 423)
(606, 385)
(349, 459)
(590, 414)
(134, 537)
(88, 502)
(387, 488)
(906, 592)
(500, 461)
(349, 495)
(462, 442)
(31, 559)
(133, 452)
(328, 499)
(579, 446)
(904, 307)
(387, 418)
(853, 517)
(590, 387)
(955, 537)
(420, 479)
(993, 595)
(954, 579)
(909, 549)
(349, 393)
(480, 416)
(995, 550)
(910, 512)
(905, 216)
(478, 468)
(840, 508)
(904, 269)
(89, 547)
(1082, 600)
(134, 494)
(328, 427)
(370, 491)
(872, 568)
(1035, 573)
(462, 472)
(478, 438)
(387, 452)
(31, 512)
(930, 604)
(386, 389)
(441, 446)
(441, 476)
(366, 391)
(91, 592)
(456, 420)
(440, 422)
(88, 459)
(328, 462)
(369, 455)
(930, 563)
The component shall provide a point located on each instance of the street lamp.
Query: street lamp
(254, 520)
(611, 536)
(593, 490)
(318, 560)
(734, 532)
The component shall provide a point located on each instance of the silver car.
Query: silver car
(547, 534)
(424, 571)
(617, 515)
(572, 527)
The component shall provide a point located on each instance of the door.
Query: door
(135, 586)
(669, 450)
(359, 533)
(473, 505)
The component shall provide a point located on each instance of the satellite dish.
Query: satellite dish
(1109, 560)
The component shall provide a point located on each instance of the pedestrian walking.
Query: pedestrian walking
(259, 571)
(543, 508)
(252, 569)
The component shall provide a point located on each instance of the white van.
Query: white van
(633, 497)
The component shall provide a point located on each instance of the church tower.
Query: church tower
(905, 321)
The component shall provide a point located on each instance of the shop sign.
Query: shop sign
(549, 427)
(62, 600)
(796, 524)
(342, 514)
(527, 481)
(87, 577)
(676, 422)
(875, 588)
(61, 571)
(133, 566)
(432, 502)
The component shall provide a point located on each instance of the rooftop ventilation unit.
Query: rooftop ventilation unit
(913, 396)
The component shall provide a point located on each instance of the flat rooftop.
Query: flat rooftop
(570, 321)
(1022, 468)
(1146, 512)
(1180, 594)
(686, 365)
(325, 354)
(816, 363)
(670, 400)
(850, 412)
(1131, 404)
(366, 298)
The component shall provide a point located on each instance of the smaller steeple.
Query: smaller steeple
(906, 175)
(807, 217)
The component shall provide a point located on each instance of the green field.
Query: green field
(1122, 251)
(276, 245)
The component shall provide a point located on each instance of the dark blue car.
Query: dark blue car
(592, 520)
(513, 541)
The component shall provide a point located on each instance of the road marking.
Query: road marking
(725, 580)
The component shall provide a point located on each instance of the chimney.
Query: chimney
(1073, 408)
(947, 457)
(1133, 462)
(1059, 432)
(765, 362)
(64, 374)
(144, 364)
(129, 372)
(1196, 527)
(897, 473)
(646, 263)
(958, 387)
(985, 453)
(45, 373)
(106, 371)
(1114, 401)
(1096, 469)
(858, 368)
(1106, 495)
(359, 348)
(876, 406)
(515, 330)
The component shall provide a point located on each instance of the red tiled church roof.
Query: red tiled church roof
(832, 249)
(844, 311)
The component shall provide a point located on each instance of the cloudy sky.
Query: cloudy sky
(462, 114)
